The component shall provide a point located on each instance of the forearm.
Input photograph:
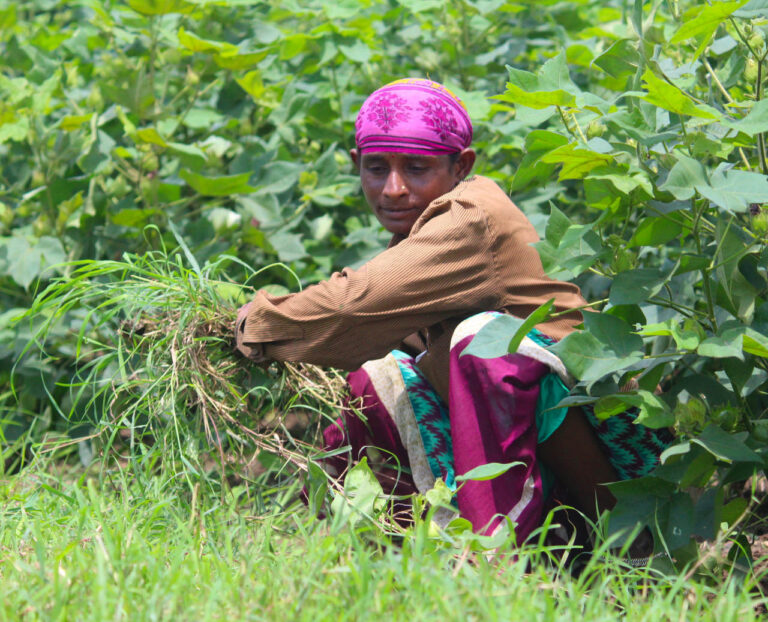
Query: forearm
(359, 315)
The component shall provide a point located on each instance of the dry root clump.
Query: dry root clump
(194, 372)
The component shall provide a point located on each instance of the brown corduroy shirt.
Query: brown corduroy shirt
(469, 251)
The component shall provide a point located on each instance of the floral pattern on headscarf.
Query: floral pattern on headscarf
(388, 110)
(413, 116)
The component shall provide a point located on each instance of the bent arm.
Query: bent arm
(357, 315)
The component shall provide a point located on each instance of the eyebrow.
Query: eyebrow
(368, 159)
(410, 157)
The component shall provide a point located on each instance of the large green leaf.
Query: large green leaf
(624, 182)
(621, 59)
(687, 335)
(656, 232)
(588, 359)
(577, 161)
(537, 316)
(484, 472)
(357, 52)
(680, 521)
(686, 175)
(531, 169)
(704, 24)
(197, 44)
(653, 411)
(557, 226)
(252, 84)
(639, 502)
(492, 340)
(732, 246)
(220, 186)
(17, 130)
(669, 97)
(755, 122)
(636, 286)
(614, 332)
(752, 9)
(362, 499)
(289, 246)
(734, 190)
(550, 86)
(755, 343)
(160, 7)
(25, 260)
(726, 447)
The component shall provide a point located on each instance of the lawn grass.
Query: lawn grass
(102, 546)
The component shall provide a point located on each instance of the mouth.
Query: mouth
(397, 211)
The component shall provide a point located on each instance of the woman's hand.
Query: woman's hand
(242, 314)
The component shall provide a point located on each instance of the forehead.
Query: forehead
(400, 158)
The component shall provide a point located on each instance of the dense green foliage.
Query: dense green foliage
(632, 133)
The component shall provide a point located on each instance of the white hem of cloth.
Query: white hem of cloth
(525, 498)
(389, 385)
(528, 347)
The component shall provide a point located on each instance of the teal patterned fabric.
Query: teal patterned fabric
(431, 414)
(632, 449)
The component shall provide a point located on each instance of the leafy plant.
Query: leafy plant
(156, 372)
(661, 154)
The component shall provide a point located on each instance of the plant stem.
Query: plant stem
(568, 127)
(465, 43)
(728, 98)
(761, 135)
(705, 272)
(336, 90)
(682, 309)
(586, 306)
(744, 40)
(152, 60)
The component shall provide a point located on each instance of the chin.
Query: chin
(399, 229)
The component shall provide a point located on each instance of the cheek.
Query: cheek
(435, 188)
(371, 185)
(370, 194)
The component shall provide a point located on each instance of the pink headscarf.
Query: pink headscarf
(413, 116)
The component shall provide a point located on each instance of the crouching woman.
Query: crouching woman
(460, 254)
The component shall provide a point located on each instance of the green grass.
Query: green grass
(75, 547)
(168, 523)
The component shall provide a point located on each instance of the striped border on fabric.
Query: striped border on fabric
(529, 488)
(472, 325)
(401, 139)
(386, 142)
(388, 382)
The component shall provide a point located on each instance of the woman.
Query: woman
(460, 249)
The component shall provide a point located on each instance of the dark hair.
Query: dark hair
(453, 157)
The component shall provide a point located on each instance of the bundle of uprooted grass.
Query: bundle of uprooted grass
(149, 345)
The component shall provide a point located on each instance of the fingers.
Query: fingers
(242, 315)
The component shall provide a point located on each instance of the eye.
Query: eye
(417, 168)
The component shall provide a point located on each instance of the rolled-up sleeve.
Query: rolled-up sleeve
(443, 269)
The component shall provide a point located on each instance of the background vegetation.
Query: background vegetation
(205, 143)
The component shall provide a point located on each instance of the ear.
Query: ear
(355, 156)
(465, 162)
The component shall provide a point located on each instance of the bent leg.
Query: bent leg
(493, 419)
(577, 460)
(396, 419)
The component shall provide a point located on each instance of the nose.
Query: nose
(395, 185)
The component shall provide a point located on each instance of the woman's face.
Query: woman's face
(399, 186)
